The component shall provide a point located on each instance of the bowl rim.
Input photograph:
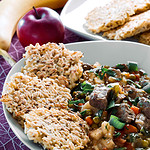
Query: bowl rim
(69, 44)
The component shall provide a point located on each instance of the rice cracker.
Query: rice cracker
(145, 38)
(113, 14)
(137, 24)
(53, 61)
(24, 93)
(56, 129)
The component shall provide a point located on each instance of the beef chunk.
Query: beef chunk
(99, 97)
(134, 92)
(87, 66)
(144, 105)
(125, 113)
(120, 98)
(118, 73)
(147, 124)
(142, 121)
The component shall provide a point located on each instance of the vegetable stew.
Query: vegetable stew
(115, 102)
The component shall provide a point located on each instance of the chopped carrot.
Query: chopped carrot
(135, 109)
(121, 90)
(130, 129)
(80, 104)
(105, 148)
(127, 75)
(104, 115)
(119, 141)
(129, 146)
(89, 120)
(137, 77)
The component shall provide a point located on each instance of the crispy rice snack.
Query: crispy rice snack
(136, 25)
(113, 14)
(145, 38)
(25, 93)
(54, 61)
(56, 129)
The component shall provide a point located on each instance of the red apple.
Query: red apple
(40, 25)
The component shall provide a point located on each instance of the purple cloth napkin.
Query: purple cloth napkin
(8, 140)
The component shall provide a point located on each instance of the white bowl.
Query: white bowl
(104, 52)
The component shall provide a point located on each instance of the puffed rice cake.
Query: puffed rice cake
(145, 38)
(114, 14)
(137, 24)
(24, 93)
(56, 129)
(54, 61)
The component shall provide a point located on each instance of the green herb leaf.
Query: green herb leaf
(106, 127)
(120, 66)
(118, 79)
(110, 72)
(137, 85)
(147, 88)
(145, 132)
(100, 72)
(121, 148)
(99, 113)
(112, 104)
(85, 87)
(133, 137)
(95, 70)
(117, 134)
(76, 102)
(83, 113)
(114, 111)
(134, 101)
(106, 71)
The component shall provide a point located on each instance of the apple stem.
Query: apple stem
(37, 15)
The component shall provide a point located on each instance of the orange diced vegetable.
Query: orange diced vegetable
(127, 75)
(105, 148)
(80, 104)
(119, 141)
(130, 129)
(104, 115)
(137, 77)
(135, 109)
(121, 90)
(89, 120)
